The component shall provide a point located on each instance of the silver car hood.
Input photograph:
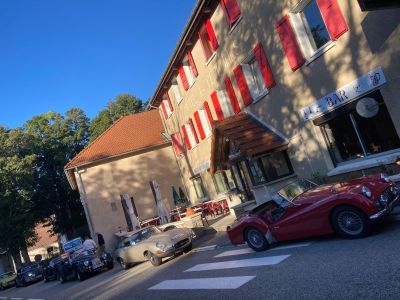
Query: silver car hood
(173, 235)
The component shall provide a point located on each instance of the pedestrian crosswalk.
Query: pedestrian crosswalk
(231, 282)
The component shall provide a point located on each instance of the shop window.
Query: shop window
(270, 167)
(198, 187)
(223, 181)
(354, 132)
(208, 40)
(367, 5)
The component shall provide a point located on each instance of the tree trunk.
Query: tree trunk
(25, 255)
(17, 258)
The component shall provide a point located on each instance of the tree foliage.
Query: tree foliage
(122, 105)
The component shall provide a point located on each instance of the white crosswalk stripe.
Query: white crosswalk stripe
(249, 250)
(252, 262)
(203, 283)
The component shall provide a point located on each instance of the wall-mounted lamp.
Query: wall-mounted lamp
(397, 161)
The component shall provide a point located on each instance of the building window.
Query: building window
(189, 134)
(177, 143)
(269, 167)
(367, 5)
(360, 129)
(203, 122)
(232, 11)
(223, 181)
(177, 92)
(316, 23)
(254, 78)
(198, 187)
(208, 39)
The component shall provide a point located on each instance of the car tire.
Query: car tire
(350, 222)
(78, 275)
(123, 263)
(255, 239)
(188, 248)
(155, 260)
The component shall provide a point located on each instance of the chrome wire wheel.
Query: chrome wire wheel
(256, 240)
(350, 222)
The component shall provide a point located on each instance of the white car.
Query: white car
(153, 244)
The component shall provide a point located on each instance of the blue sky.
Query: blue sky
(58, 54)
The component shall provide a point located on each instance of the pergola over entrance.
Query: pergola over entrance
(247, 134)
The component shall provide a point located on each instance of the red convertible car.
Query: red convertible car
(303, 209)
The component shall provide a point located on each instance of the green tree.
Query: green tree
(17, 168)
(122, 105)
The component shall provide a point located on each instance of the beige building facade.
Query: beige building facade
(116, 174)
(319, 78)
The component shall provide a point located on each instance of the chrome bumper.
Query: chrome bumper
(386, 210)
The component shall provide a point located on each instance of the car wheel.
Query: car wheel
(188, 248)
(350, 222)
(155, 260)
(78, 275)
(255, 239)
(123, 264)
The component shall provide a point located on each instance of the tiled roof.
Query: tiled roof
(45, 237)
(247, 134)
(129, 133)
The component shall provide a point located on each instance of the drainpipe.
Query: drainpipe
(83, 197)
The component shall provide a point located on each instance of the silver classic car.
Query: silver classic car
(152, 244)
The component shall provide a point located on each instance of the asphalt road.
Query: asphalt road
(321, 268)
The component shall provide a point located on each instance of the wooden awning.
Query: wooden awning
(247, 134)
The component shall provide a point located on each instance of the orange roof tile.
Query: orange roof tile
(45, 237)
(129, 133)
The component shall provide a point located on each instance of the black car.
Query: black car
(81, 265)
(29, 274)
(50, 272)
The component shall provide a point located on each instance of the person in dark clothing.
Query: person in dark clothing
(101, 243)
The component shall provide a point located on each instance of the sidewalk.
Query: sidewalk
(221, 222)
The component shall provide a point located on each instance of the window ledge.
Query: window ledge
(262, 95)
(365, 163)
(319, 52)
(211, 57)
(235, 25)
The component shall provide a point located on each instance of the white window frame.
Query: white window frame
(306, 42)
(252, 72)
(206, 44)
(167, 108)
(191, 136)
(177, 91)
(205, 123)
(188, 72)
(225, 103)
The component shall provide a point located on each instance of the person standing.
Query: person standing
(101, 242)
(89, 244)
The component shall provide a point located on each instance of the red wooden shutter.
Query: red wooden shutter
(333, 17)
(217, 106)
(186, 137)
(265, 68)
(177, 143)
(231, 94)
(166, 96)
(242, 84)
(199, 125)
(193, 130)
(192, 64)
(183, 78)
(164, 110)
(208, 111)
(211, 35)
(232, 11)
(289, 43)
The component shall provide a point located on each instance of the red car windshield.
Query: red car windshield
(293, 190)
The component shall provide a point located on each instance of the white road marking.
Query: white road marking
(219, 283)
(206, 248)
(252, 262)
(249, 250)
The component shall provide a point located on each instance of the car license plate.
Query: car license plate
(97, 263)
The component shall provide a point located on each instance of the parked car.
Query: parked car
(50, 272)
(152, 244)
(7, 280)
(81, 264)
(29, 274)
(303, 209)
